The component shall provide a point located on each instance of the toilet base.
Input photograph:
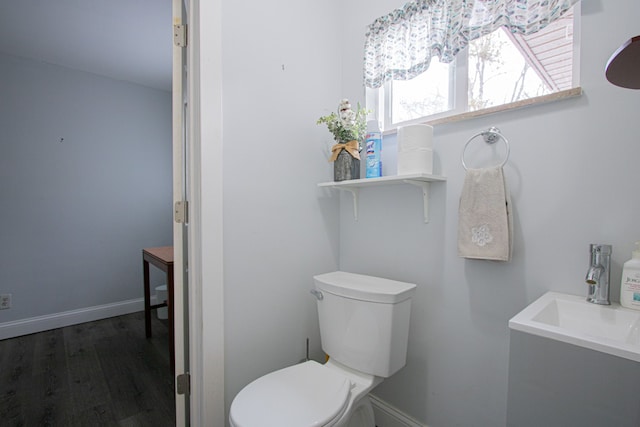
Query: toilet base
(362, 415)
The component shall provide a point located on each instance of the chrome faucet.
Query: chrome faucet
(598, 274)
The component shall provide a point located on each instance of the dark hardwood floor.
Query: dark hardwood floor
(102, 373)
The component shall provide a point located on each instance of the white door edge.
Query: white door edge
(206, 285)
(179, 195)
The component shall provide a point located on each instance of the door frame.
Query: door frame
(180, 234)
(204, 159)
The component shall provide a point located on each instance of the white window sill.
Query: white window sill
(556, 96)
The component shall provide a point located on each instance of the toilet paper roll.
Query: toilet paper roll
(413, 137)
(415, 161)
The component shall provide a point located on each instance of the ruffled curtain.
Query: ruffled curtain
(400, 45)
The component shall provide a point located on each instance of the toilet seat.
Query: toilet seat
(303, 395)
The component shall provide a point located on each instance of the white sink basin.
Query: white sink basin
(611, 329)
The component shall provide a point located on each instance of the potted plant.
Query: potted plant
(348, 128)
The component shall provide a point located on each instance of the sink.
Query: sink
(571, 319)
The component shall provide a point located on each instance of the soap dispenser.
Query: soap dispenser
(630, 286)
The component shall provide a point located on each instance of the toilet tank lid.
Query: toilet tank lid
(364, 288)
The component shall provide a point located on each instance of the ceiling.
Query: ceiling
(126, 40)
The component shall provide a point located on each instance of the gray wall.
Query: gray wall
(572, 174)
(281, 71)
(77, 213)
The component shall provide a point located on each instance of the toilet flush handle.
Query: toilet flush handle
(316, 293)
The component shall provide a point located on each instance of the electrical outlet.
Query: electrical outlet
(5, 301)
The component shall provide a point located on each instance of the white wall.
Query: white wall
(572, 178)
(571, 175)
(281, 71)
(77, 213)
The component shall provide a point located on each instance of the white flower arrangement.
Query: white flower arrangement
(347, 125)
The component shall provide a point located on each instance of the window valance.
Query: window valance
(400, 45)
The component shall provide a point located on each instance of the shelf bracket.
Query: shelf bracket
(425, 195)
(354, 194)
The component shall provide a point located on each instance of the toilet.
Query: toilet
(364, 328)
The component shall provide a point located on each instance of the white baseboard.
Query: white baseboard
(32, 325)
(387, 415)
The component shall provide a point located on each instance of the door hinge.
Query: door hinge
(180, 35)
(183, 383)
(181, 212)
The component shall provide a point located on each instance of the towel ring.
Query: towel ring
(490, 136)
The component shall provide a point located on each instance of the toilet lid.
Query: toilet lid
(303, 395)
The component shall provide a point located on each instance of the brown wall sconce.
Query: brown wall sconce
(623, 68)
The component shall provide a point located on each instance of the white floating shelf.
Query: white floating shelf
(353, 186)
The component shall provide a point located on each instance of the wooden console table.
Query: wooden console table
(162, 258)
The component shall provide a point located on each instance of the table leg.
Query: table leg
(147, 299)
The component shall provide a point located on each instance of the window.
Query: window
(497, 69)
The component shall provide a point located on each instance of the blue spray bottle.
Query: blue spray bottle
(373, 142)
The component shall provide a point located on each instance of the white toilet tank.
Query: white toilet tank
(364, 321)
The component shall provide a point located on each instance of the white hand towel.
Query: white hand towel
(485, 223)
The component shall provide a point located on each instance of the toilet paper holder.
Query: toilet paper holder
(491, 136)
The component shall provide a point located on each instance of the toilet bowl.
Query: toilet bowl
(306, 395)
(364, 326)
